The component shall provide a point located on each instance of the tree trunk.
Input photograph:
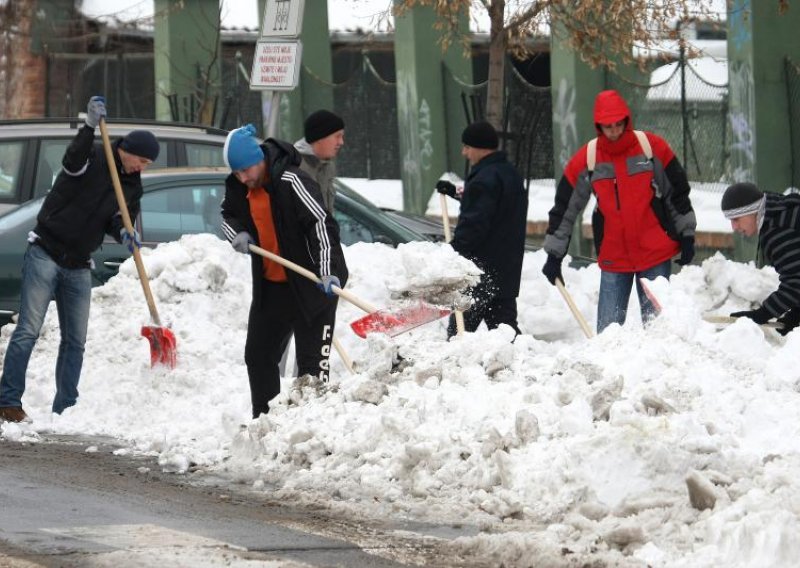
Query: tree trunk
(17, 64)
(497, 60)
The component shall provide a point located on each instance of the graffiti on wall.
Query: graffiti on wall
(425, 135)
(742, 117)
(409, 137)
(564, 122)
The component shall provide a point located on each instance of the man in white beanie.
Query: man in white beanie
(271, 202)
(776, 220)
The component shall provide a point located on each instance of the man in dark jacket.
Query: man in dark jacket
(270, 201)
(76, 214)
(643, 216)
(491, 228)
(776, 220)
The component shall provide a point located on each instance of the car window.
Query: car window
(10, 168)
(171, 212)
(198, 154)
(51, 153)
(351, 230)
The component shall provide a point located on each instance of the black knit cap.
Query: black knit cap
(480, 135)
(741, 199)
(320, 124)
(141, 143)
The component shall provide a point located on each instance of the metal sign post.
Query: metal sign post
(278, 56)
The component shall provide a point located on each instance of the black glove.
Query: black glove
(759, 316)
(687, 250)
(552, 269)
(446, 188)
(790, 320)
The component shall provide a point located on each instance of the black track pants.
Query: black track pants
(269, 328)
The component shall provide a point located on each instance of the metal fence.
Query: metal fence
(527, 123)
(683, 104)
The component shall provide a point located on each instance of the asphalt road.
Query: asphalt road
(63, 506)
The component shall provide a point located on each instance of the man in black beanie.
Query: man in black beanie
(491, 228)
(323, 138)
(73, 221)
(776, 220)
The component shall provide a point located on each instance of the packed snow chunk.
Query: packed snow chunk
(433, 272)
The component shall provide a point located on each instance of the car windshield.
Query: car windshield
(377, 212)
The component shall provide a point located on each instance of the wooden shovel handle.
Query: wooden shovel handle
(719, 319)
(126, 221)
(353, 299)
(574, 309)
(458, 314)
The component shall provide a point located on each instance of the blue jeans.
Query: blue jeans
(42, 281)
(615, 291)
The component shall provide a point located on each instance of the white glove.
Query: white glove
(95, 110)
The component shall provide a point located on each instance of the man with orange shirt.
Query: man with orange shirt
(643, 216)
(271, 202)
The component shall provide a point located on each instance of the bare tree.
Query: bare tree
(603, 32)
(15, 58)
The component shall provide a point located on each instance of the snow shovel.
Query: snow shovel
(390, 322)
(650, 296)
(574, 309)
(459, 315)
(163, 346)
(725, 320)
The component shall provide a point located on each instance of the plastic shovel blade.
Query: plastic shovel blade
(393, 322)
(163, 346)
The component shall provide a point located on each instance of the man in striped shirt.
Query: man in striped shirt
(776, 220)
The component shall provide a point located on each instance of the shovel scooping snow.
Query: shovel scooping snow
(392, 322)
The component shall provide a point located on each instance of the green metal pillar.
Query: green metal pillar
(574, 88)
(421, 103)
(188, 59)
(759, 40)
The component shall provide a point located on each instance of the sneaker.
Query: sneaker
(13, 414)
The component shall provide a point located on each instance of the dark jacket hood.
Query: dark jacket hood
(281, 155)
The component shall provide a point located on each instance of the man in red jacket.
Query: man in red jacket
(643, 215)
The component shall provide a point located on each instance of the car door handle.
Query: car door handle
(112, 263)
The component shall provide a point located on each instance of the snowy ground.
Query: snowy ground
(558, 448)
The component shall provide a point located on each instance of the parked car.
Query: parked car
(31, 151)
(178, 201)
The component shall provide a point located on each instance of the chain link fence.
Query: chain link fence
(686, 103)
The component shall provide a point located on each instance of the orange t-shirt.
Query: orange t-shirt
(261, 211)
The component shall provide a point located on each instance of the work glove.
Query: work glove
(552, 269)
(130, 240)
(687, 250)
(446, 188)
(327, 283)
(760, 316)
(790, 320)
(95, 110)
(242, 241)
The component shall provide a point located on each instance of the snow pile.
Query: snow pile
(555, 446)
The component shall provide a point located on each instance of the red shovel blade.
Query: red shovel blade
(650, 296)
(393, 322)
(163, 347)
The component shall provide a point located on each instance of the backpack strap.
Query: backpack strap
(644, 142)
(591, 155)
